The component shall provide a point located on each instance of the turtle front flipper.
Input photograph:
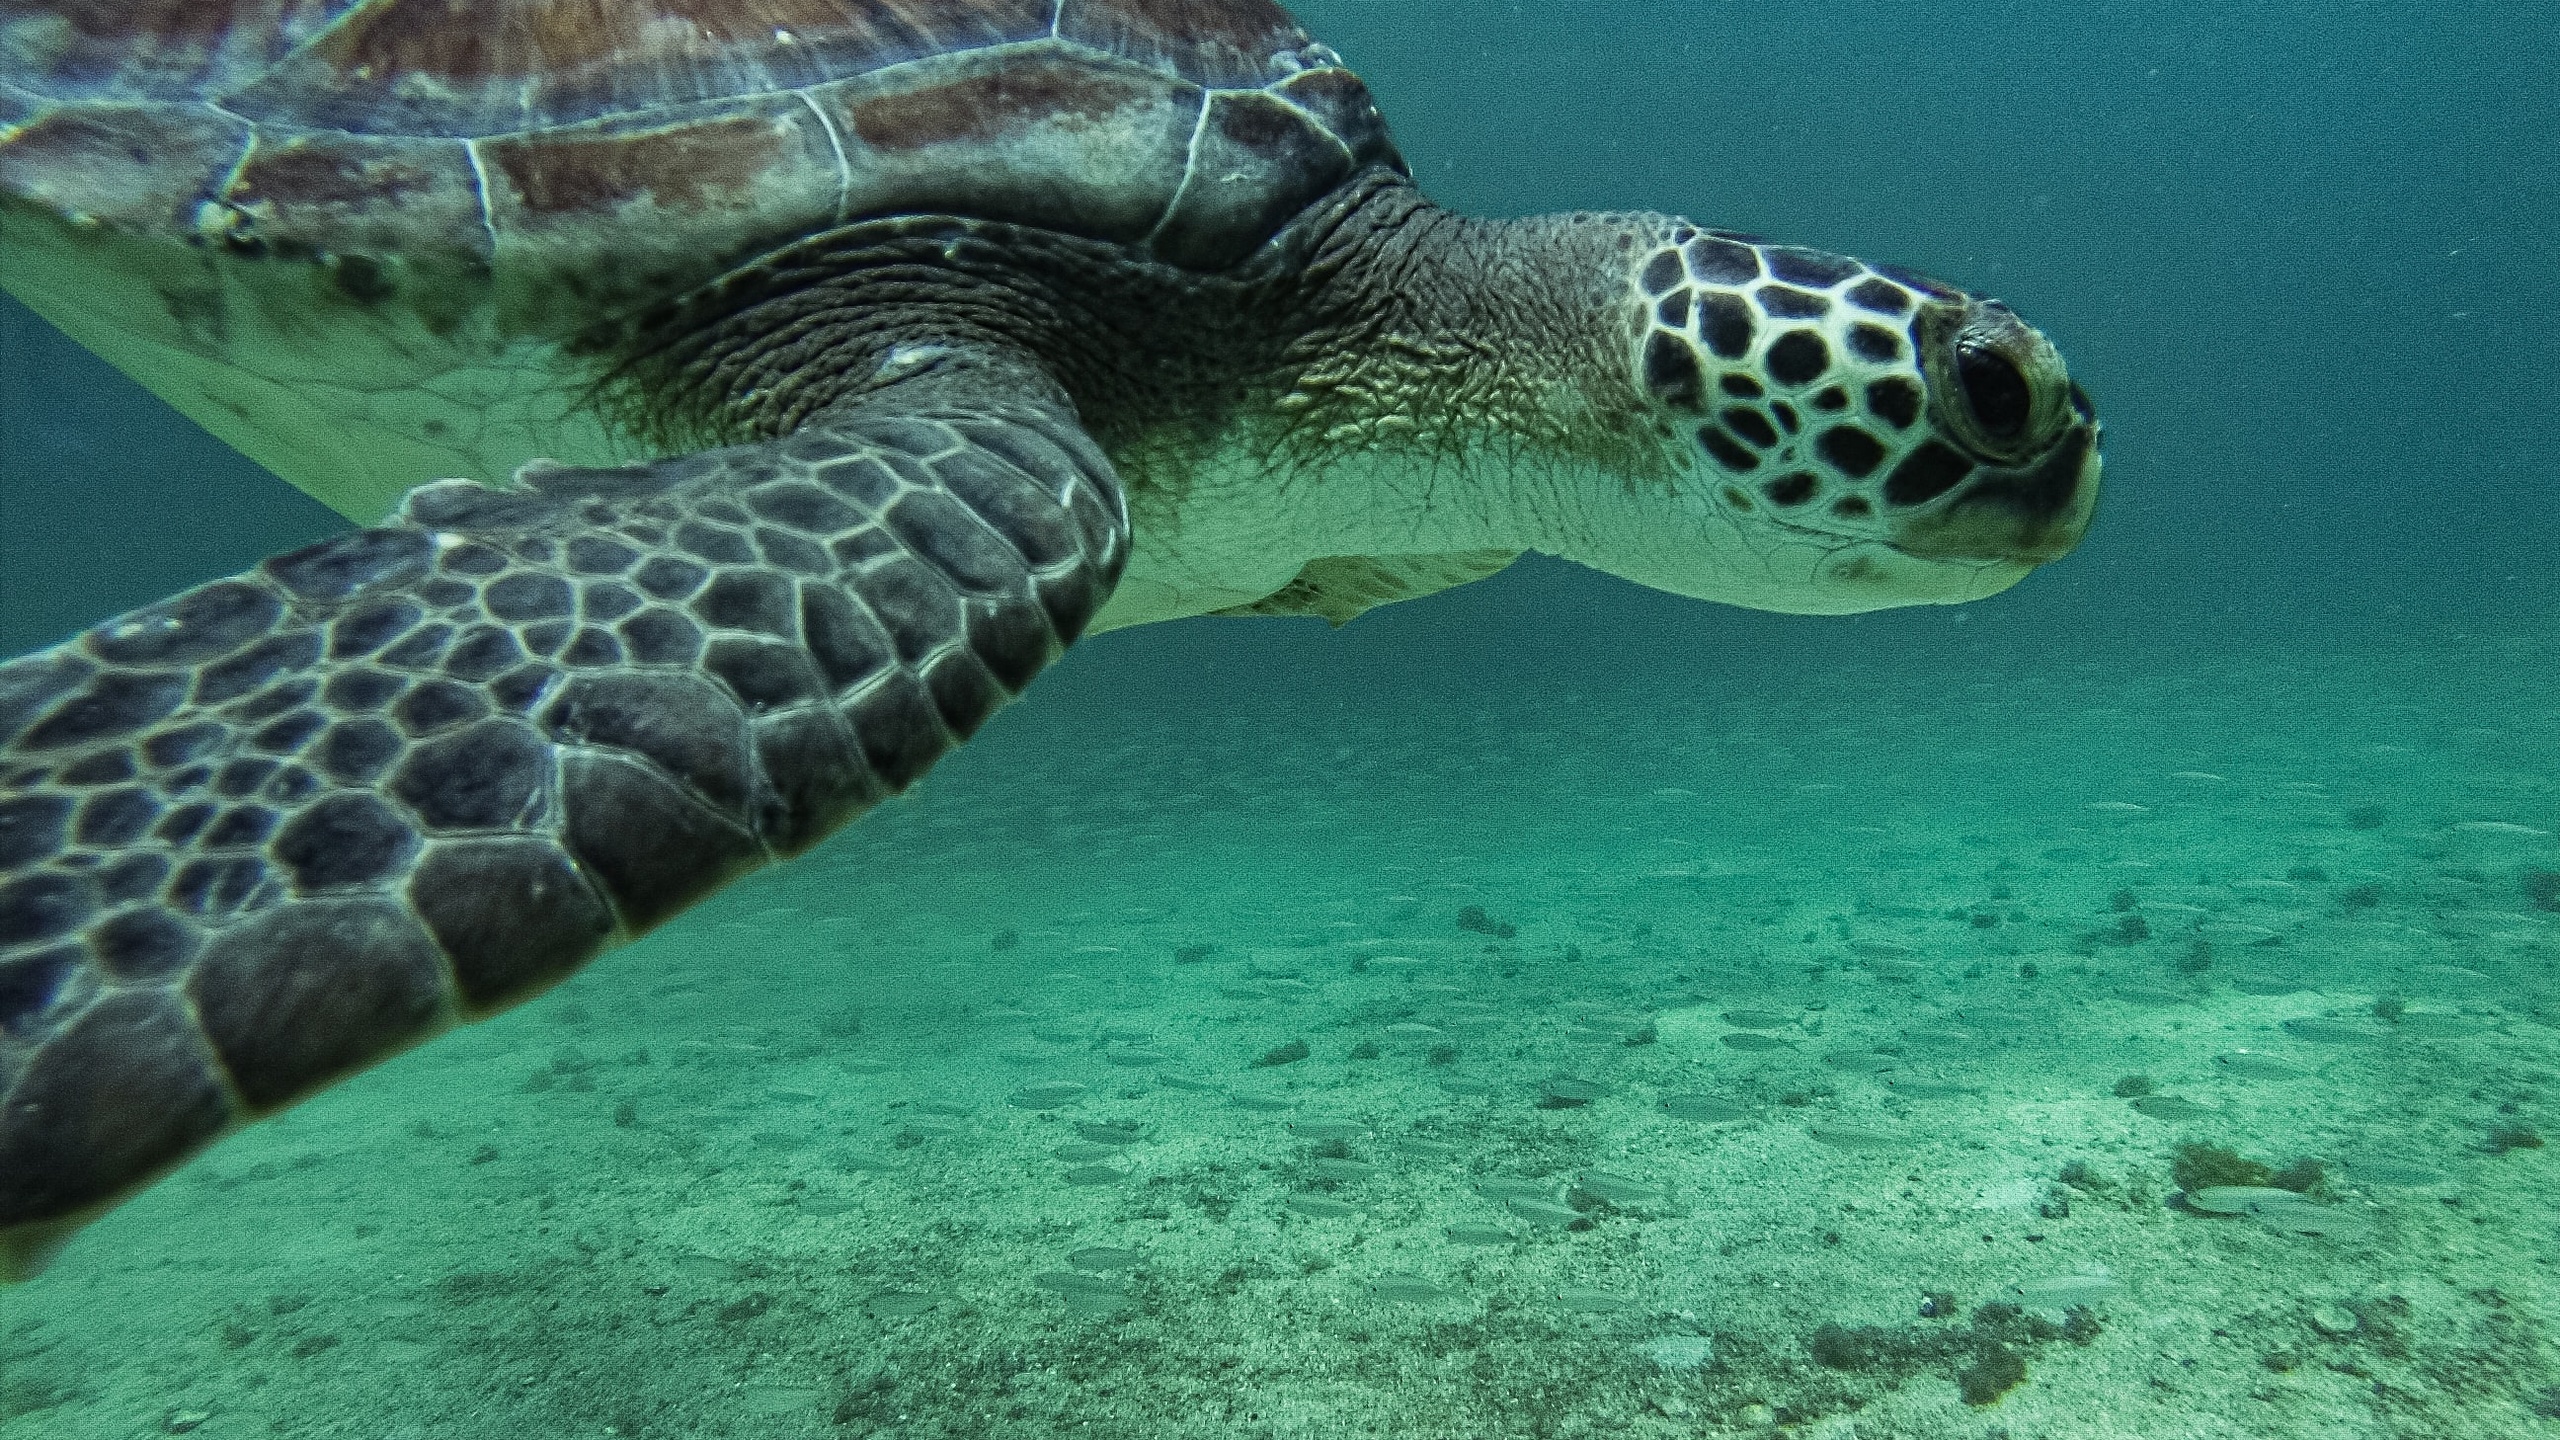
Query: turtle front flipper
(273, 830)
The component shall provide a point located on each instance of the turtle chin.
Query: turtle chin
(1877, 575)
(1800, 575)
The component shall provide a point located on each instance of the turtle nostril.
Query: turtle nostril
(1994, 389)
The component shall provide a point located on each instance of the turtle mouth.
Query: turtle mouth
(2031, 513)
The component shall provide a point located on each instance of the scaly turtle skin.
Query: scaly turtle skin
(879, 349)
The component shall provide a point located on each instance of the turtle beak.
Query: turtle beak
(2029, 514)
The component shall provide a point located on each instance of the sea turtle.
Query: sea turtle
(878, 349)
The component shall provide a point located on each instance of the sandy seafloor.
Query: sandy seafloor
(765, 1174)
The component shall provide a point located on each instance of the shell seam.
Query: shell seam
(346, 20)
(1190, 167)
(1043, 44)
(835, 142)
(480, 192)
(1316, 123)
(231, 178)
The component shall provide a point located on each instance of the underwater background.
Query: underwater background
(1707, 1022)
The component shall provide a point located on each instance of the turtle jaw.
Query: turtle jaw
(2030, 514)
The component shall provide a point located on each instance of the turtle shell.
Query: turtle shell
(354, 240)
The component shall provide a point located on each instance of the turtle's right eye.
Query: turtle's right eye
(1994, 389)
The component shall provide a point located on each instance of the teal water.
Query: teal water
(1855, 967)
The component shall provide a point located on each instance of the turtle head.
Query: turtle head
(1846, 436)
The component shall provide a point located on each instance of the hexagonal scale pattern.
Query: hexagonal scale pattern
(263, 834)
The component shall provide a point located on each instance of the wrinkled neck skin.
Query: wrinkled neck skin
(1386, 378)
(1451, 385)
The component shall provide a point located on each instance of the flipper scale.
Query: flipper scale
(271, 831)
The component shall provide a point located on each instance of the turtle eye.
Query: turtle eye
(1994, 389)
